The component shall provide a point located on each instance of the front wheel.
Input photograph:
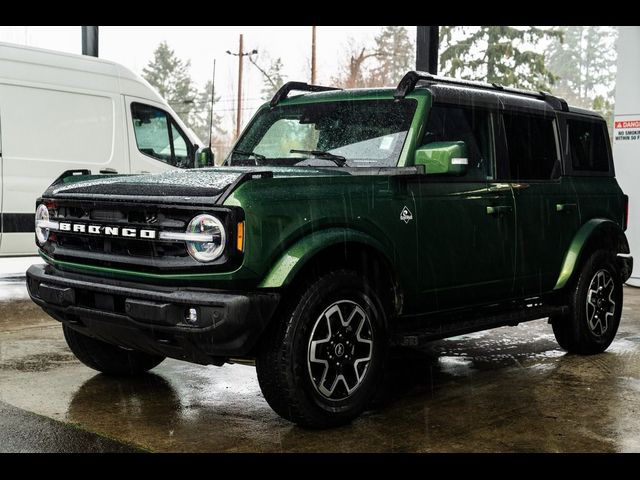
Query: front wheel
(321, 362)
(107, 358)
(595, 307)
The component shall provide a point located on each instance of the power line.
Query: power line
(244, 109)
(241, 54)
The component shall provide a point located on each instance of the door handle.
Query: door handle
(499, 209)
(110, 171)
(565, 207)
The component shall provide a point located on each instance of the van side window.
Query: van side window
(531, 147)
(448, 123)
(180, 149)
(158, 136)
(588, 146)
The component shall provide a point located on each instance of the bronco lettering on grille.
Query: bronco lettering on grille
(108, 231)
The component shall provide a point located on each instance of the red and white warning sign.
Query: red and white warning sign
(627, 129)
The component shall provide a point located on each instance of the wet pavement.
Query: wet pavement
(25, 432)
(506, 390)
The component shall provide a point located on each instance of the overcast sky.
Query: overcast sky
(133, 47)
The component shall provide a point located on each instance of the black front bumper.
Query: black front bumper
(155, 319)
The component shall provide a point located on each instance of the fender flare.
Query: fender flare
(298, 254)
(580, 242)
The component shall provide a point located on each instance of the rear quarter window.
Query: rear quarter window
(588, 146)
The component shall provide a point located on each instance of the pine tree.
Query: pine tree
(170, 76)
(395, 53)
(273, 79)
(585, 64)
(497, 54)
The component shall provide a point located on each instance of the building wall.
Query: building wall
(626, 134)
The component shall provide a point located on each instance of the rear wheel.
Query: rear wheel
(321, 362)
(107, 358)
(595, 307)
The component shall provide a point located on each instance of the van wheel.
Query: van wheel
(595, 307)
(107, 358)
(321, 362)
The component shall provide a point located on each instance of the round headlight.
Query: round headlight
(42, 216)
(207, 225)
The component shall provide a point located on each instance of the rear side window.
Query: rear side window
(588, 143)
(531, 147)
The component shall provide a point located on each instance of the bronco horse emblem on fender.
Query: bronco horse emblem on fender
(406, 216)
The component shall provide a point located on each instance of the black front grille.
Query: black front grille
(120, 246)
(144, 216)
(130, 253)
(107, 215)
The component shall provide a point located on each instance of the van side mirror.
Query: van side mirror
(443, 158)
(205, 158)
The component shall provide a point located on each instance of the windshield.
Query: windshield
(354, 133)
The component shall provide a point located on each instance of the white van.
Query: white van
(60, 112)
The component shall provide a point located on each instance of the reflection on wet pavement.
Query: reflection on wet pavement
(510, 389)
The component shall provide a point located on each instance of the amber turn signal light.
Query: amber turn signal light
(240, 237)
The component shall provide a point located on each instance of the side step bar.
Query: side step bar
(413, 332)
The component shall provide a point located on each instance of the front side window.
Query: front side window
(448, 123)
(588, 146)
(357, 133)
(158, 136)
(531, 147)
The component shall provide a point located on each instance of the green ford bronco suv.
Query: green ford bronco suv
(343, 223)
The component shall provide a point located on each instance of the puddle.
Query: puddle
(40, 362)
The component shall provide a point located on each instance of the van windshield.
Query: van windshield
(353, 133)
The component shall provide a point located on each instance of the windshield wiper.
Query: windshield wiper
(250, 154)
(337, 159)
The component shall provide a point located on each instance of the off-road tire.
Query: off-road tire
(106, 358)
(589, 328)
(286, 358)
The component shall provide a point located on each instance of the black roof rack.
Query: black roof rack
(70, 173)
(409, 81)
(282, 93)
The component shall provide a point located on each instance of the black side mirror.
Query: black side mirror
(205, 158)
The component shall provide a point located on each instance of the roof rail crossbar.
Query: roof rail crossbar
(411, 79)
(70, 173)
(283, 92)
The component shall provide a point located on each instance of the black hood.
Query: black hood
(209, 182)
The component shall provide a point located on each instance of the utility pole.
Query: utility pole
(239, 111)
(241, 54)
(313, 55)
